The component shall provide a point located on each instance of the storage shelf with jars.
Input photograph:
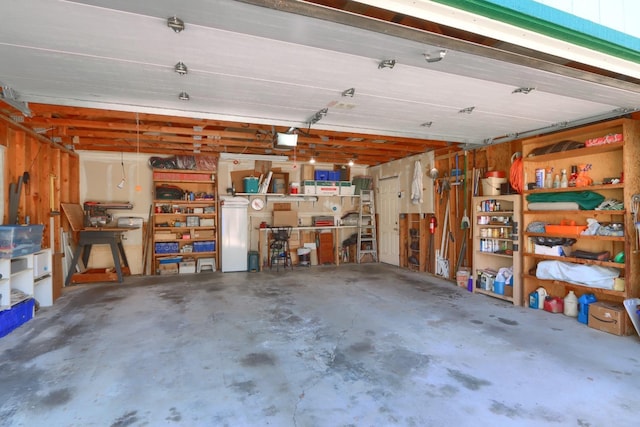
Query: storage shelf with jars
(185, 218)
(603, 166)
(496, 246)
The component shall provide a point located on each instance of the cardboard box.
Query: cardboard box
(309, 187)
(171, 268)
(609, 317)
(306, 172)
(551, 250)
(282, 206)
(199, 234)
(285, 218)
(187, 267)
(327, 190)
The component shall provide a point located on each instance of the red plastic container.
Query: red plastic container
(554, 304)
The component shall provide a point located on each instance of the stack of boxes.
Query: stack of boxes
(327, 183)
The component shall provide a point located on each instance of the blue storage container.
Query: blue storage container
(334, 175)
(321, 175)
(207, 246)
(166, 247)
(16, 316)
(18, 240)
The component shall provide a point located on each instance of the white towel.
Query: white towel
(416, 184)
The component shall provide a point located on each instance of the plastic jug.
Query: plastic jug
(571, 305)
(542, 294)
(583, 302)
(533, 300)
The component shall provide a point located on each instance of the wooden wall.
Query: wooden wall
(46, 164)
(493, 157)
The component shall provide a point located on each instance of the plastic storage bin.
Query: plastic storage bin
(18, 240)
(207, 246)
(166, 247)
(16, 316)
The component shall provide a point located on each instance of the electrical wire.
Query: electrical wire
(516, 174)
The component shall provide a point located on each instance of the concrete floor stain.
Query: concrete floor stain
(507, 321)
(468, 381)
(126, 419)
(257, 359)
(57, 397)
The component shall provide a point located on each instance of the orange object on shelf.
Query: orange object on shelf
(566, 227)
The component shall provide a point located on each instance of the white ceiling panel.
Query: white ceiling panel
(256, 64)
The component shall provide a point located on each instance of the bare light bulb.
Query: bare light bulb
(121, 185)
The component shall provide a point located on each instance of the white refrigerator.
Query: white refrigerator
(234, 233)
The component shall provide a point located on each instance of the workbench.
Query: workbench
(99, 236)
(86, 238)
(263, 237)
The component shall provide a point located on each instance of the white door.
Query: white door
(389, 244)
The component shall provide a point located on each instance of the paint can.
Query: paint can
(540, 177)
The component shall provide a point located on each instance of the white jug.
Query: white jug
(571, 305)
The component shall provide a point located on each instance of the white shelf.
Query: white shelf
(19, 273)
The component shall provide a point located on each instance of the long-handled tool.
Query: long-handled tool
(464, 223)
(442, 263)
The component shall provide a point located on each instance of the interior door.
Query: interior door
(389, 245)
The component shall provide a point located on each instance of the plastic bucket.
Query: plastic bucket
(498, 288)
(462, 277)
(491, 186)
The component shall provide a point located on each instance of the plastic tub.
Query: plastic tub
(491, 186)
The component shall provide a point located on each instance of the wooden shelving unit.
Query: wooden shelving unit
(613, 160)
(497, 243)
(185, 227)
(414, 241)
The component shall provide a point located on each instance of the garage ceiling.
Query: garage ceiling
(100, 75)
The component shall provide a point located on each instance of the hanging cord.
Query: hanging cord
(516, 178)
(122, 164)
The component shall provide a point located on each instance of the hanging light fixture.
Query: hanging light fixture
(351, 162)
(183, 96)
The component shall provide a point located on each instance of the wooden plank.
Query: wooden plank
(75, 215)
(96, 275)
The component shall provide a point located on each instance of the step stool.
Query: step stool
(206, 264)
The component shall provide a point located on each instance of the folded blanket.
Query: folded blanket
(587, 200)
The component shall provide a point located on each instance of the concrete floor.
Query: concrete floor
(368, 345)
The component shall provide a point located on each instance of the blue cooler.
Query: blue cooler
(251, 184)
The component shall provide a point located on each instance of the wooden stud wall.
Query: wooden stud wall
(494, 157)
(29, 152)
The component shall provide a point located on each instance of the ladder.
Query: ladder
(367, 242)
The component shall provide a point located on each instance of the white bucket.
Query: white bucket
(491, 186)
